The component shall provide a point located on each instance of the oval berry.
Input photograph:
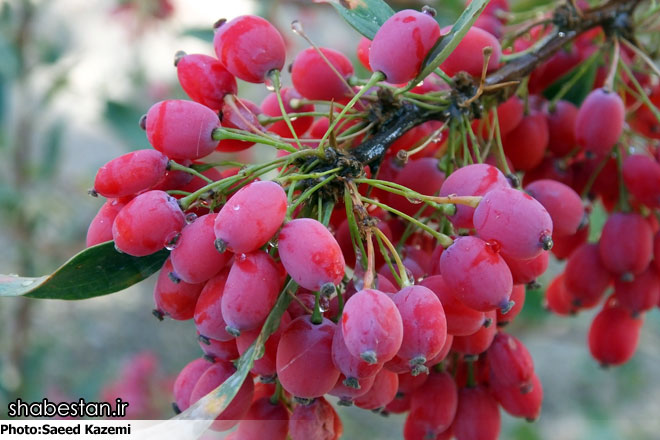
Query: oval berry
(520, 224)
(251, 217)
(147, 224)
(599, 121)
(313, 78)
(304, 358)
(310, 254)
(477, 275)
(401, 44)
(182, 129)
(372, 326)
(205, 80)
(249, 47)
(130, 173)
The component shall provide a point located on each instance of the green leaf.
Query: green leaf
(448, 43)
(366, 16)
(206, 409)
(98, 270)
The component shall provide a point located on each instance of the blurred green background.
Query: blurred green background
(75, 76)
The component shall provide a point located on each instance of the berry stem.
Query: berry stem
(444, 240)
(277, 394)
(403, 274)
(277, 85)
(499, 151)
(642, 93)
(369, 273)
(375, 78)
(172, 165)
(305, 195)
(317, 315)
(386, 255)
(609, 80)
(356, 238)
(222, 133)
(395, 188)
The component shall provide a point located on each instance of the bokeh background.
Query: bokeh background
(75, 76)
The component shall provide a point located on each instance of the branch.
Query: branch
(613, 16)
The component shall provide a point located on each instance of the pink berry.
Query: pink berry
(401, 44)
(249, 47)
(314, 79)
(205, 80)
(182, 129)
(130, 173)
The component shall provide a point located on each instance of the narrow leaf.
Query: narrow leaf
(98, 270)
(205, 410)
(448, 43)
(366, 16)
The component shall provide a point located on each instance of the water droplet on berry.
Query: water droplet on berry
(561, 34)
(240, 258)
(297, 27)
(191, 217)
(236, 207)
(272, 243)
(494, 246)
(172, 241)
(269, 85)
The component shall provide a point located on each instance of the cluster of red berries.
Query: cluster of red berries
(427, 338)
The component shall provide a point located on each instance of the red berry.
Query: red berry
(186, 380)
(641, 175)
(461, 319)
(476, 404)
(599, 121)
(147, 224)
(175, 299)
(313, 78)
(640, 294)
(626, 244)
(182, 129)
(424, 325)
(310, 254)
(372, 326)
(471, 180)
(218, 350)
(525, 145)
(205, 80)
(304, 358)
(382, 391)
(468, 55)
(401, 44)
(208, 310)
(251, 291)
(130, 173)
(317, 421)
(364, 46)
(351, 367)
(509, 361)
(432, 408)
(195, 258)
(423, 176)
(477, 274)
(526, 271)
(251, 217)
(100, 229)
(249, 47)
(244, 117)
(520, 402)
(212, 378)
(520, 224)
(264, 421)
(557, 298)
(614, 335)
(270, 106)
(562, 203)
(265, 365)
(480, 341)
(561, 128)
(585, 277)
